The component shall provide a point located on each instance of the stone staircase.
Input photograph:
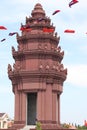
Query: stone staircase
(28, 127)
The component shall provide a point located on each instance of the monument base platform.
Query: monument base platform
(20, 125)
(34, 128)
(51, 127)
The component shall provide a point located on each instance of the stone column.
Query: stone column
(17, 101)
(20, 108)
(24, 101)
(54, 107)
(58, 96)
(48, 104)
(39, 105)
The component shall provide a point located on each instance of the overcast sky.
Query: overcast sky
(73, 98)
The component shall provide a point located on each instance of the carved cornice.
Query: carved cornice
(56, 76)
(46, 23)
(38, 54)
(38, 36)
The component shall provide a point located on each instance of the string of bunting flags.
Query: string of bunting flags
(45, 29)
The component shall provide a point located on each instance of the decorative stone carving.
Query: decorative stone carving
(41, 66)
(45, 46)
(65, 71)
(54, 67)
(61, 67)
(16, 67)
(13, 49)
(17, 35)
(56, 34)
(9, 69)
(59, 48)
(62, 53)
(47, 67)
(57, 67)
(56, 49)
(27, 19)
(52, 48)
(20, 47)
(39, 46)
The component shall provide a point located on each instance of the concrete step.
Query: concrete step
(28, 127)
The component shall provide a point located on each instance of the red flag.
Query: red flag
(22, 28)
(3, 40)
(2, 27)
(56, 11)
(48, 30)
(45, 30)
(73, 2)
(69, 31)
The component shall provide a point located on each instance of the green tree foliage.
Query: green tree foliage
(81, 127)
(38, 126)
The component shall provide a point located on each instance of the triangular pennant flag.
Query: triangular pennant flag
(48, 30)
(69, 31)
(56, 11)
(3, 40)
(2, 27)
(13, 33)
(72, 3)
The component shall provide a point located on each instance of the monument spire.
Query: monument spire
(38, 11)
(38, 73)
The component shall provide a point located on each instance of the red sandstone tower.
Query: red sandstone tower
(38, 74)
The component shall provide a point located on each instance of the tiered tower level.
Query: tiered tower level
(38, 73)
